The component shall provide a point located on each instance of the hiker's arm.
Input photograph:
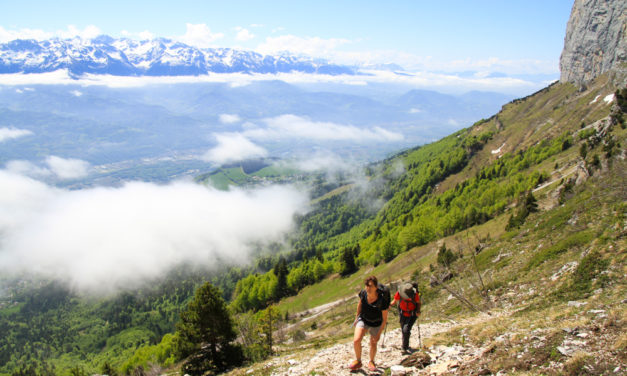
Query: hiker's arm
(358, 312)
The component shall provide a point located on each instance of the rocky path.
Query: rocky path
(335, 359)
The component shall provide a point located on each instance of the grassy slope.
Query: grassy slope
(520, 266)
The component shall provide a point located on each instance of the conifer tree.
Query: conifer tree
(281, 272)
(531, 204)
(205, 331)
(348, 265)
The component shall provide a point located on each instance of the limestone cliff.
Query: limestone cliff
(596, 40)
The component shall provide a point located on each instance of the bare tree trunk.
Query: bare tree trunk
(460, 297)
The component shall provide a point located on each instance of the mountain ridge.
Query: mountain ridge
(155, 57)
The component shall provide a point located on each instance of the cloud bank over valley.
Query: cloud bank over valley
(439, 81)
(102, 239)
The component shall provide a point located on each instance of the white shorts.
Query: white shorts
(374, 330)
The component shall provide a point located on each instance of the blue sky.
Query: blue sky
(514, 36)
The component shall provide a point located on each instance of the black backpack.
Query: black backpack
(384, 294)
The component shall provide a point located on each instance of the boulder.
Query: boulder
(418, 359)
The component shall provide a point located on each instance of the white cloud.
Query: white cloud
(10, 133)
(76, 93)
(67, 168)
(20, 198)
(108, 238)
(199, 35)
(485, 67)
(453, 122)
(88, 32)
(61, 168)
(142, 35)
(448, 83)
(291, 126)
(244, 35)
(313, 46)
(72, 31)
(326, 162)
(229, 118)
(9, 35)
(233, 147)
(27, 168)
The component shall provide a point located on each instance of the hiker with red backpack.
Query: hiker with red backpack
(409, 310)
(372, 316)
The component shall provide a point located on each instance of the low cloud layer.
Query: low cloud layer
(102, 239)
(445, 82)
(233, 147)
(68, 168)
(57, 167)
(292, 126)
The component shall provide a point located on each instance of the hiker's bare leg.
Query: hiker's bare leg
(359, 335)
(373, 347)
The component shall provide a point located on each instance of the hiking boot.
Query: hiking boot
(355, 365)
(371, 366)
(405, 352)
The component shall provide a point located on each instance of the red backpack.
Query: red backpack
(409, 307)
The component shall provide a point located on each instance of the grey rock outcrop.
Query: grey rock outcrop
(596, 40)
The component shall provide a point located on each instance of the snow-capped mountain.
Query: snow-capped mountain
(156, 57)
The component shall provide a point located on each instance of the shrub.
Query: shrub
(445, 256)
(575, 240)
(588, 270)
(586, 133)
(567, 143)
(298, 336)
(583, 150)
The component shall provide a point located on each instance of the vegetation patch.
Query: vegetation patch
(586, 277)
(575, 240)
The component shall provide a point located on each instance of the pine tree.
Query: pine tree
(348, 265)
(205, 331)
(281, 272)
(531, 204)
(268, 323)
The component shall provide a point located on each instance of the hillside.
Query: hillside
(551, 297)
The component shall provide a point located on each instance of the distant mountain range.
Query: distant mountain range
(156, 57)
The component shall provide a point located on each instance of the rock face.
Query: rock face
(596, 40)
